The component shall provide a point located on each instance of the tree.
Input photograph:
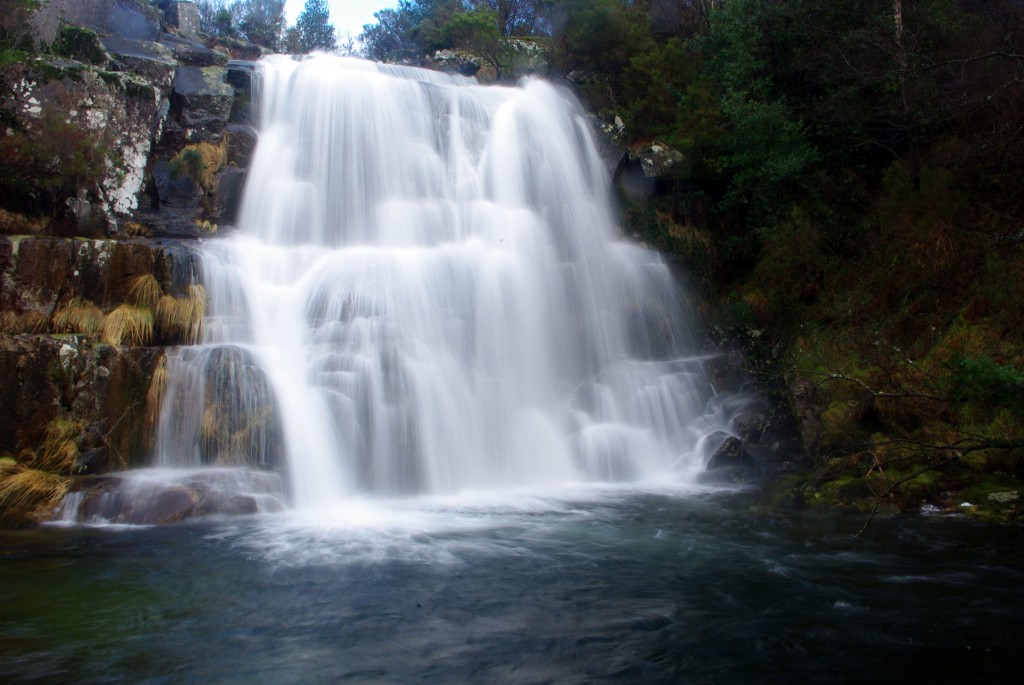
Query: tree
(262, 21)
(315, 29)
(392, 36)
(512, 17)
(215, 17)
(477, 32)
(411, 30)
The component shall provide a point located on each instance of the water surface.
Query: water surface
(598, 586)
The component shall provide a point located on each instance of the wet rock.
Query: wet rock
(658, 160)
(149, 497)
(117, 500)
(91, 461)
(731, 464)
(230, 184)
(240, 78)
(1008, 497)
(242, 141)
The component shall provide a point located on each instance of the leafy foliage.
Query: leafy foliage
(315, 31)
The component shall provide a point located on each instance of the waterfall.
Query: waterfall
(427, 294)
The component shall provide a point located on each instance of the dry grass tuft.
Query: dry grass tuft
(155, 394)
(136, 229)
(211, 430)
(183, 315)
(60, 446)
(79, 316)
(201, 162)
(24, 490)
(243, 443)
(128, 323)
(9, 323)
(144, 291)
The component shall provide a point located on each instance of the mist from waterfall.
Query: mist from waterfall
(427, 293)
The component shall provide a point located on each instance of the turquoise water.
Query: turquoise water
(613, 586)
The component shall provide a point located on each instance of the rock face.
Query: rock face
(151, 129)
(135, 95)
(45, 377)
(185, 17)
(40, 274)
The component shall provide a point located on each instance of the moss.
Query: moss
(138, 89)
(81, 44)
(58, 71)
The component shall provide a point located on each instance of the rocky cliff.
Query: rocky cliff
(125, 140)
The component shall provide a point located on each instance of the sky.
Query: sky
(347, 16)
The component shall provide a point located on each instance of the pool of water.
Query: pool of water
(588, 587)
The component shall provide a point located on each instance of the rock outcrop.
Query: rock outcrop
(127, 140)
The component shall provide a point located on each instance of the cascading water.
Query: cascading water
(427, 294)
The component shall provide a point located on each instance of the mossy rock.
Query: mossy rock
(80, 44)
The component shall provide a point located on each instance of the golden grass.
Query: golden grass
(241, 443)
(79, 316)
(183, 315)
(136, 229)
(211, 430)
(155, 394)
(144, 291)
(128, 323)
(9, 323)
(60, 447)
(24, 490)
(201, 162)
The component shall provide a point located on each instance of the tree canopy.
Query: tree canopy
(315, 31)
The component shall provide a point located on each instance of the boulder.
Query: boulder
(104, 121)
(147, 497)
(136, 19)
(191, 53)
(731, 463)
(184, 16)
(242, 140)
(148, 59)
(201, 104)
(240, 77)
(230, 185)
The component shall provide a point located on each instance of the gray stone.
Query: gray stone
(184, 15)
(191, 53)
(658, 160)
(120, 110)
(43, 273)
(201, 103)
(242, 141)
(150, 60)
(230, 184)
(136, 19)
(1004, 497)
(145, 497)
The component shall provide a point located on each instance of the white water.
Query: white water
(427, 294)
